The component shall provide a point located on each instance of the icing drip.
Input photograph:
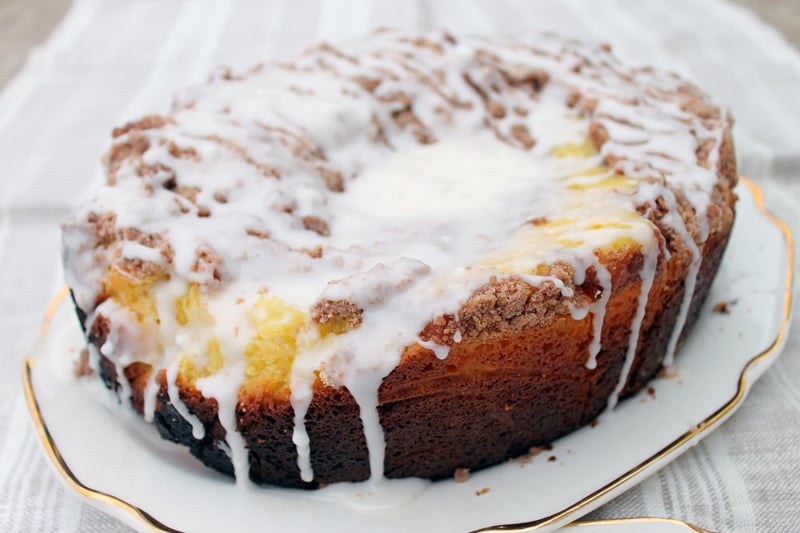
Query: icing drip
(150, 397)
(109, 349)
(124, 391)
(598, 310)
(301, 399)
(686, 303)
(365, 392)
(218, 387)
(198, 430)
(647, 275)
(441, 351)
(94, 358)
(690, 282)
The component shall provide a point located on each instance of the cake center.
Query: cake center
(451, 179)
(444, 203)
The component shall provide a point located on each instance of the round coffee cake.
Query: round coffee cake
(401, 256)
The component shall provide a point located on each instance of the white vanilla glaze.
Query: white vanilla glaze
(647, 275)
(460, 161)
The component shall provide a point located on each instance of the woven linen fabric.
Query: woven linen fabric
(110, 61)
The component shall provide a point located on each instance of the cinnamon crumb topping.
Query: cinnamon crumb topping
(379, 135)
(188, 192)
(139, 269)
(158, 171)
(145, 123)
(150, 240)
(240, 151)
(588, 105)
(328, 310)
(573, 98)
(182, 207)
(406, 118)
(208, 263)
(317, 225)
(334, 180)
(135, 145)
(703, 150)
(104, 227)
(314, 253)
(520, 132)
(598, 134)
(327, 47)
(521, 76)
(261, 234)
(367, 83)
(176, 151)
(501, 306)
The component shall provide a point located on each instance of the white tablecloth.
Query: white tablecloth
(111, 60)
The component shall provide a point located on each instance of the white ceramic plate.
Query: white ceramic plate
(111, 457)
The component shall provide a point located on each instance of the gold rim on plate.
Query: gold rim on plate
(711, 421)
(643, 520)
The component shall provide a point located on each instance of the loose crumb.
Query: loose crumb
(481, 492)
(724, 307)
(594, 423)
(525, 459)
(667, 372)
(651, 391)
(258, 233)
(82, 366)
(551, 459)
(536, 450)
(461, 475)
